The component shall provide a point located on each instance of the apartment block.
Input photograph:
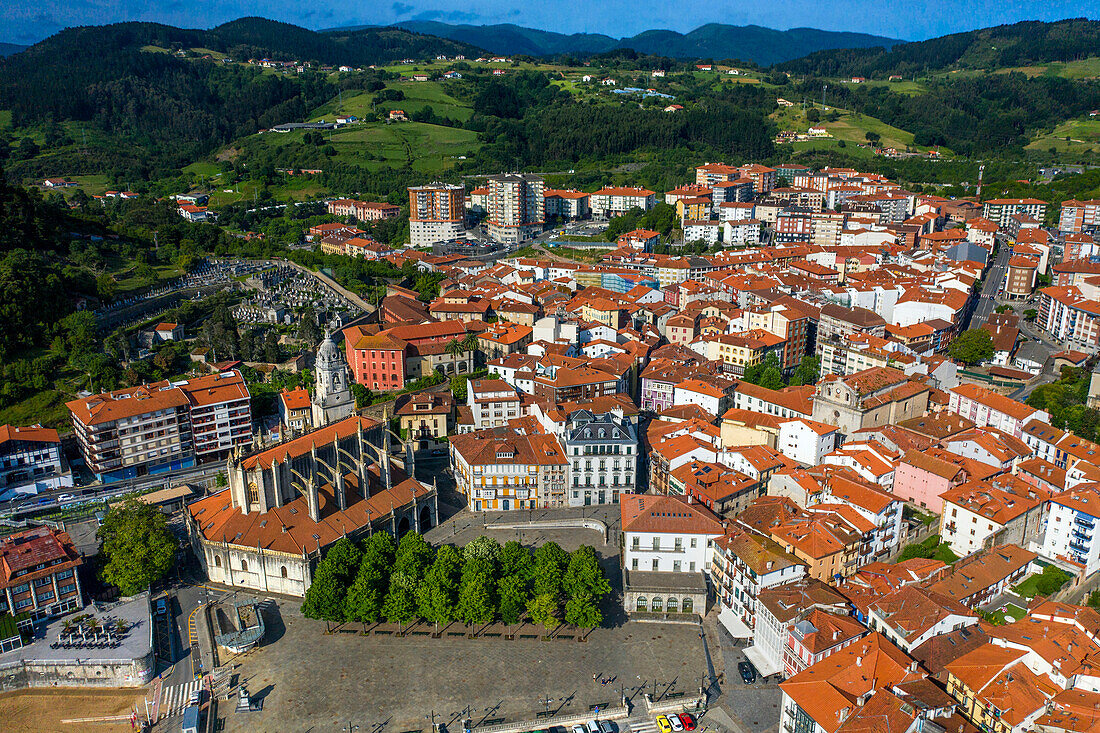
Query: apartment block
(38, 573)
(517, 208)
(436, 213)
(164, 426)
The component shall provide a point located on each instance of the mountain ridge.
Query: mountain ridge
(754, 43)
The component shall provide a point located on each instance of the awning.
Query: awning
(734, 624)
(764, 664)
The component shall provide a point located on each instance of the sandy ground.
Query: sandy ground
(43, 710)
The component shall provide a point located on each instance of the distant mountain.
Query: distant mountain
(714, 41)
(7, 49)
(509, 39)
(1004, 46)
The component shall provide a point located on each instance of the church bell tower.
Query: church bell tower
(332, 397)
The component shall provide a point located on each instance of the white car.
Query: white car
(674, 721)
(579, 729)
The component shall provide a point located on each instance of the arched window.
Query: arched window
(658, 604)
(688, 606)
(244, 565)
(217, 561)
(253, 493)
(673, 606)
(282, 571)
(641, 603)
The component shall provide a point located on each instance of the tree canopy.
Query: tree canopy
(138, 546)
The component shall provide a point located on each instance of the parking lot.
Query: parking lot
(385, 684)
(754, 707)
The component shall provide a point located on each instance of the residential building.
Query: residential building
(603, 454)
(164, 426)
(1071, 522)
(500, 470)
(425, 416)
(975, 512)
(744, 564)
(1079, 216)
(983, 576)
(912, 615)
(795, 625)
(31, 460)
(1071, 317)
(566, 204)
(363, 210)
(295, 410)
(517, 208)
(436, 213)
(492, 402)
(986, 408)
(39, 574)
(1000, 211)
(617, 200)
(826, 696)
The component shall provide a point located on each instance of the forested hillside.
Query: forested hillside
(988, 114)
(1004, 46)
(526, 121)
(150, 112)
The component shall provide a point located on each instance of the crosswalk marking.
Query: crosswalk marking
(176, 696)
(645, 726)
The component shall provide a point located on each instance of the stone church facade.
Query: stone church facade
(286, 505)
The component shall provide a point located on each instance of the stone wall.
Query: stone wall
(74, 673)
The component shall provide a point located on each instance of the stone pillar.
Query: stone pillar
(338, 488)
(261, 490)
(313, 500)
(277, 481)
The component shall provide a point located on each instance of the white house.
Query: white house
(806, 441)
(986, 408)
(911, 616)
(1071, 528)
(697, 392)
(744, 564)
(668, 534)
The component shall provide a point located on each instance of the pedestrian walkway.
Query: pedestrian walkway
(643, 726)
(175, 697)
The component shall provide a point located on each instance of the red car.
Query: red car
(688, 721)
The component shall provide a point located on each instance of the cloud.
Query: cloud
(400, 8)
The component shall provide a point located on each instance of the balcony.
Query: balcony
(1083, 522)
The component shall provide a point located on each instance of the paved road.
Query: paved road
(994, 278)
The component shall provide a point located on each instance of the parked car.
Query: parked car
(437, 451)
(688, 721)
(592, 726)
(162, 606)
(579, 729)
(663, 724)
(66, 497)
(747, 671)
(677, 726)
(606, 727)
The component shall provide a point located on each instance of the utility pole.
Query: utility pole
(824, 88)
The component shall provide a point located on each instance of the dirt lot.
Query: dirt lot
(43, 710)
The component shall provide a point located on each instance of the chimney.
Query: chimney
(913, 667)
(691, 498)
(859, 661)
(843, 714)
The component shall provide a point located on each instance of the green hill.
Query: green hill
(1004, 46)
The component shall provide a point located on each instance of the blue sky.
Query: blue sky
(28, 21)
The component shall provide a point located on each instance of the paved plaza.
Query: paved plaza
(312, 681)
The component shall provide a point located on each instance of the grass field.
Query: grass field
(376, 145)
(417, 96)
(1083, 134)
(1083, 69)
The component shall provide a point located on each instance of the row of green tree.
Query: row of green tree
(400, 582)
